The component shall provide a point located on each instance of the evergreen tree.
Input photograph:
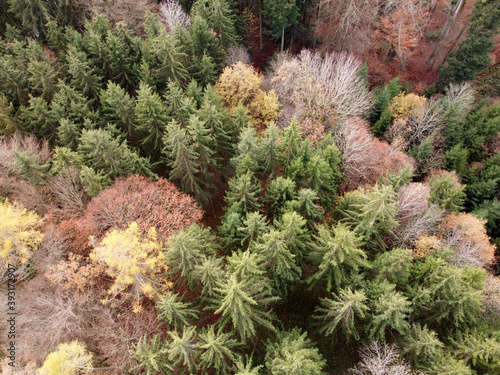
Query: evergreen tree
(37, 118)
(422, 346)
(209, 273)
(84, 77)
(218, 350)
(151, 119)
(183, 350)
(345, 309)
(242, 303)
(187, 249)
(174, 312)
(393, 266)
(30, 167)
(269, 151)
(296, 237)
(279, 192)
(42, 78)
(68, 134)
(291, 138)
(244, 189)
(118, 108)
(292, 353)
(220, 18)
(183, 160)
(280, 16)
(152, 357)
(479, 350)
(252, 227)
(339, 255)
(447, 191)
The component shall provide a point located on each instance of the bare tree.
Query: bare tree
(380, 359)
(414, 227)
(326, 89)
(237, 54)
(172, 14)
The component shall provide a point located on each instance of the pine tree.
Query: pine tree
(346, 309)
(244, 189)
(305, 206)
(422, 346)
(242, 303)
(479, 350)
(219, 123)
(248, 150)
(219, 17)
(118, 108)
(271, 157)
(42, 78)
(391, 311)
(174, 312)
(279, 260)
(203, 145)
(151, 119)
(32, 15)
(73, 105)
(447, 191)
(252, 227)
(84, 77)
(187, 249)
(279, 192)
(183, 349)
(183, 160)
(339, 255)
(218, 350)
(152, 357)
(292, 353)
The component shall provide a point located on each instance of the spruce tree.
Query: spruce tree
(152, 357)
(84, 77)
(174, 312)
(218, 350)
(118, 108)
(244, 189)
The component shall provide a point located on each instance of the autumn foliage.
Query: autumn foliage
(150, 204)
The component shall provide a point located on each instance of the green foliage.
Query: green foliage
(269, 151)
(346, 309)
(422, 347)
(456, 158)
(252, 227)
(152, 357)
(183, 350)
(424, 156)
(338, 252)
(292, 353)
(218, 350)
(446, 295)
(101, 151)
(478, 350)
(383, 96)
(393, 266)
(30, 167)
(279, 192)
(280, 15)
(242, 302)
(117, 108)
(244, 189)
(187, 248)
(390, 311)
(220, 18)
(447, 191)
(174, 312)
(209, 273)
(84, 77)
(295, 233)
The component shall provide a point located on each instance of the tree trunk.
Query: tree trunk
(455, 42)
(282, 39)
(260, 26)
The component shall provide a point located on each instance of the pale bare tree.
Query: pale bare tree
(326, 89)
(413, 200)
(380, 359)
(414, 227)
(237, 54)
(172, 14)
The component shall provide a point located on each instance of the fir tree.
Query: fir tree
(183, 349)
(174, 312)
(244, 189)
(84, 77)
(152, 357)
(218, 350)
(118, 108)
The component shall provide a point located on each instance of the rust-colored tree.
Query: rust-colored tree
(138, 199)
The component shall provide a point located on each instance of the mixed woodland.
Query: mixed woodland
(251, 187)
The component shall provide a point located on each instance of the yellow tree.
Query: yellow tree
(68, 359)
(19, 236)
(240, 84)
(134, 260)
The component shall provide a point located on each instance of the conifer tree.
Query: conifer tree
(183, 350)
(203, 145)
(292, 353)
(305, 206)
(218, 122)
(252, 227)
(183, 160)
(70, 104)
(242, 303)
(29, 166)
(422, 346)
(68, 134)
(279, 192)
(42, 78)
(219, 17)
(247, 151)
(295, 233)
(269, 150)
(187, 249)
(37, 118)
(479, 350)
(209, 273)
(84, 77)
(218, 350)
(346, 309)
(244, 189)
(339, 255)
(152, 357)
(151, 119)
(393, 266)
(174, 312)
(291, 138)
(118, 108)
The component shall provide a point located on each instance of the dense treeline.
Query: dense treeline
(171, 210)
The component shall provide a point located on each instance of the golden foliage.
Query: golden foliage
(425, 246)
(19, 236)
(240, 83)
(466, 234)
(403, 105)
(69, 359)
(133, 260)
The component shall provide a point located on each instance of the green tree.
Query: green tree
(218, 350)
(84, 77)
(269, 151)
(174, 312)
(220, 18)
(345, 309)
(280, 15)
(393, 266)
(447, 191)
(339, 255)
(183, 349)
(253, 226)
(151, 119)
(279, 192)
(118, 108)
(244, 189)
(242, 303)
(422, 346)
(152, 357)
(292, 353)
(43, 78)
